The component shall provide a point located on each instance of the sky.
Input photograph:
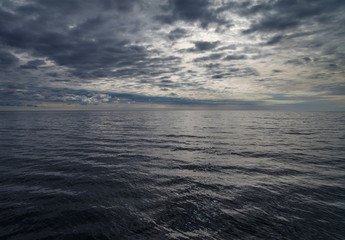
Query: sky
(204, 54)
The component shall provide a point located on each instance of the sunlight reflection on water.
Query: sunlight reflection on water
(172, 174)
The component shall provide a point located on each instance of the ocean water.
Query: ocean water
(172, 175)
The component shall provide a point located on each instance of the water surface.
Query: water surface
(172, 175)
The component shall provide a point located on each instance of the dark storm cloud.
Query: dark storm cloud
(7, 59)
(272, 23)
(286, 14)
(91, 40)
(190, 11)
(274, 40)
(332, 66)
(201, 46)
(235, 57)
(72, 6)
(33, 64)
(60, 80)
(52, 74)
(58, 31)
(177, 34)
(294, 62)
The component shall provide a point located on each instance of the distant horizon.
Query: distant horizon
(81, 108)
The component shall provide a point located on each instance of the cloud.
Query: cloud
(234, 73)
(62, 51)
(17, 97)
(37, 96)
(93, 99)
(331, 88)
(201, 46)
(190, 11)
(177, 33)
(274, 40)
(300, 61)
(272, 23)
(294, 62)
(211, 57)
(75, 41)
(235, 57)
(7, 59)
(283, 15)
(33, 64)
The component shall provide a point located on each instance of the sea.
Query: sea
(172, 175)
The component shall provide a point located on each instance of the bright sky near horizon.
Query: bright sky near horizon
(231, 54)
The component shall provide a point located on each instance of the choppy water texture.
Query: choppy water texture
(172, 175)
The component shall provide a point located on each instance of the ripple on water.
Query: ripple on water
(173, 175)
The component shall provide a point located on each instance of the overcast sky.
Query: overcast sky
(255, 54)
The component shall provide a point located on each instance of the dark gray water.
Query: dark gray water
(172, 175)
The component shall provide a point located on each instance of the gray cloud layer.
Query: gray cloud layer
(180, 50)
